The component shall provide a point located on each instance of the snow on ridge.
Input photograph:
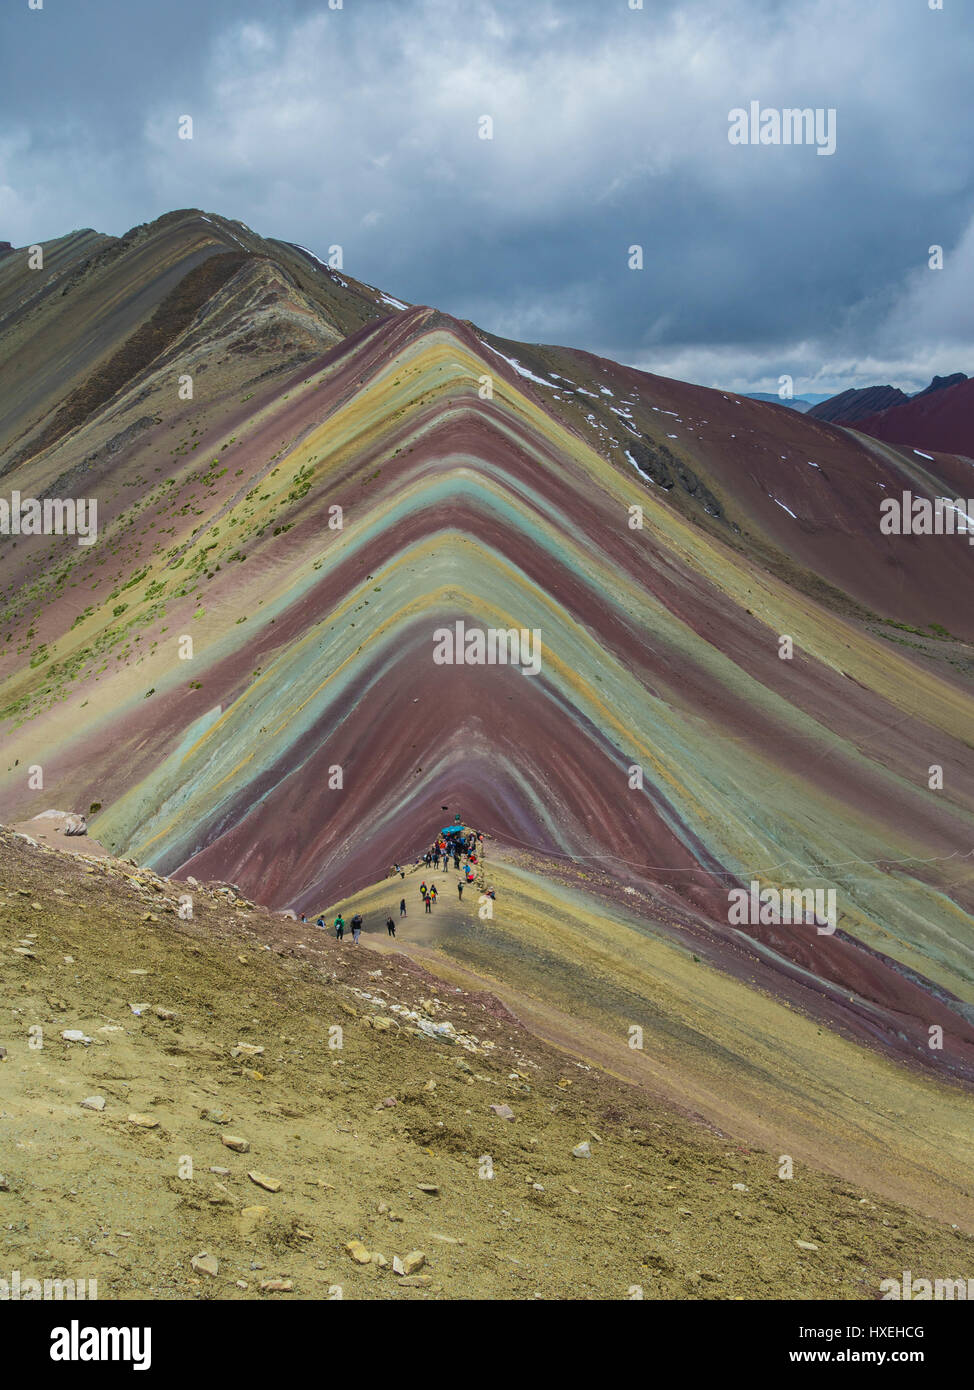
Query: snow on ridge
(522, 371)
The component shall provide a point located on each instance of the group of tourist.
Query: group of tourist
(456, 844)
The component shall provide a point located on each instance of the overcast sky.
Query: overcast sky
(359, 126)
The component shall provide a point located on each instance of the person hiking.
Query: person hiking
(390, 926)
(320, 922)
(402, 907)
(339, 927)
(402, 873)
(423, 890)
(433, 892)
(356, 928)
(460, 890)
(429, 903)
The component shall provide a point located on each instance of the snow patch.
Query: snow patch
(782, 506)
(523, 371)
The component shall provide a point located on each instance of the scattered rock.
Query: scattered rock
(413, 1262)
(216, 1117)
(206, 1264)
(262, 1180)
(251, 1215)
(428, 1187)
(75, 1035)
(144, 1121)
(503, 1112)
(416, 1281)
(276, 1285)
(741, 1187)
(806, 1245)
(236, 1142)
(246, 1050)
(582, 1150)
(358, 1252)
(93, 1103)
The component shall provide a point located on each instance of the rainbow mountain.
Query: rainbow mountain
(301, 480)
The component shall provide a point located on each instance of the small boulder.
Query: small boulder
(262, 1180)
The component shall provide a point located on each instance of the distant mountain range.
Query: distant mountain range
(799, 403)
(940, 417)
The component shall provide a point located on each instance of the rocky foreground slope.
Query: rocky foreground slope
(179, 1123)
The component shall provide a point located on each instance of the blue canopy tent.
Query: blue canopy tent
(452, 830)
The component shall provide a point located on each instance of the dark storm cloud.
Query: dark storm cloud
(360, 126)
